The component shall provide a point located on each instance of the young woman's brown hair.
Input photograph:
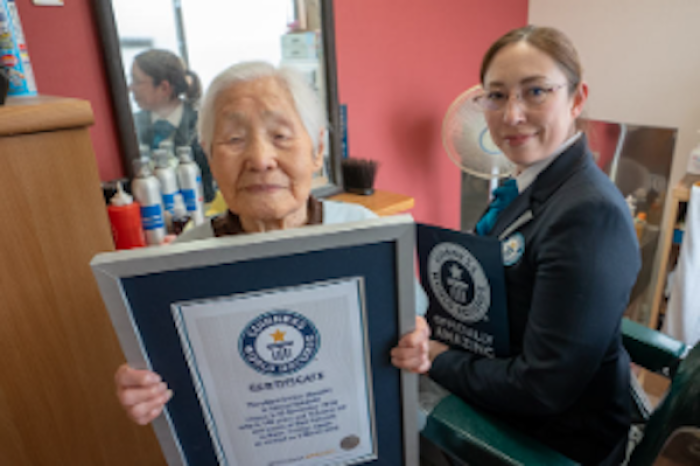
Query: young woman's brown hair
(162, 65)
(550, 41)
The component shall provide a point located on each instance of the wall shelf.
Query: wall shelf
(679, 194)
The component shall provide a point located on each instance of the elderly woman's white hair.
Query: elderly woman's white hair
(305, 100)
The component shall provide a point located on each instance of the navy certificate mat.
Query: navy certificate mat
(148, 298)
(464, 278)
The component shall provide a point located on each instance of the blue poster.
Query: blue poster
(464, 278)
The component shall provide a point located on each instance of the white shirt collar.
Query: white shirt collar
(173, 118)
(528, 176)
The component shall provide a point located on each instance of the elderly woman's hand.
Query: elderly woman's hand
(141, 393)
(412, 351)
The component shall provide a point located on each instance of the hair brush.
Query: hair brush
(358, 175)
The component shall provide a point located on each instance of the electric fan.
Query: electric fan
(467, 140)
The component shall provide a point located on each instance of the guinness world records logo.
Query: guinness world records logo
(458, 282)
(279, 342)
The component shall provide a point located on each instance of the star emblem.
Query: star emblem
(456, 272)
(278, 335)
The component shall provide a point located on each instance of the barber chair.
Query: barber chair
(671, 434)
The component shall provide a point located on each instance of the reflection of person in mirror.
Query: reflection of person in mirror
(168, 94)
(263, 129)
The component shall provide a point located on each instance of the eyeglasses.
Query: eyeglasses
(531, 96)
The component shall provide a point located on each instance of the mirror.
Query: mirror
(206, 36)
(637, 159)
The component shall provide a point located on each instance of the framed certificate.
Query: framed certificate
(276, 345)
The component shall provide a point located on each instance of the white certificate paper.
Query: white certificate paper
(283, 375)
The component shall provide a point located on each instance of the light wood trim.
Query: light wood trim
(25, 115)
(663, 265)
(381, 203)
(680, 193)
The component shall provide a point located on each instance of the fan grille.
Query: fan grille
(467, 140)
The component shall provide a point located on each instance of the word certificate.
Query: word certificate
(283, 375)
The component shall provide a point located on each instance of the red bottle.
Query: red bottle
(125, 216)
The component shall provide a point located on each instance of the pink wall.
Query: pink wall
(64, 48)
(400, 65)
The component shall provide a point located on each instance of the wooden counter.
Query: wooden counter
(59, 351)
(681, 192)
(27, 115)
(382, 203)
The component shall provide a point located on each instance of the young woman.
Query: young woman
(168, 95)
(567, 380)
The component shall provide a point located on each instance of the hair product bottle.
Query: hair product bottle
(144, 152)
(180, 215)
(169, 148)
(167, 178)
(190, 179)
(146, 190)
(125, 217)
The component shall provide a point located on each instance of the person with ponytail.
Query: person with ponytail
(168, 96)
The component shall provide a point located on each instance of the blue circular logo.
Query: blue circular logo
(513, 249)
(279, 343)
(458, 282)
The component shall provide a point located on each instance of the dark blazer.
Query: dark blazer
(185, 135)
(567, 381)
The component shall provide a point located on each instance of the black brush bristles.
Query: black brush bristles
(358, 175)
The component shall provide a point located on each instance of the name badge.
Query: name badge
(513, 249)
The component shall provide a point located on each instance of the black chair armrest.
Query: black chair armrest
(650, 349)
(475, 437)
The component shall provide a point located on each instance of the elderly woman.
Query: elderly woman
(262, 130)
(566, 382)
